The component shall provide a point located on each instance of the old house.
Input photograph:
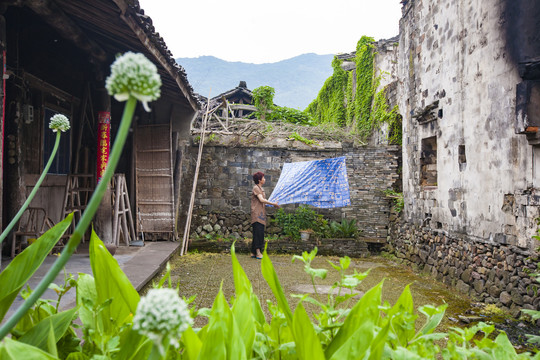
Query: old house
(468, 94)
(56, 57)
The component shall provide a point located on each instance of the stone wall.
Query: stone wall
(222, 204)
(329, 247)
(466, 170)
(470, 175)
(491, 273)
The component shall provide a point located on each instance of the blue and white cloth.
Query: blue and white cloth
(320, 183)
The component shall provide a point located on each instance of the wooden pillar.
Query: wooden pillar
(104, 214)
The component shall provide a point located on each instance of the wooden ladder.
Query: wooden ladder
(79, 188)
(122, 216)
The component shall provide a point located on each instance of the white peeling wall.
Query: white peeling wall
(455, 52)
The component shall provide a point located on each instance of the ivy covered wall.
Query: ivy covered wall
(354, 98)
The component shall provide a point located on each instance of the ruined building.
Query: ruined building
(469, 93)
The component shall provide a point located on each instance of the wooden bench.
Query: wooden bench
(33, 223)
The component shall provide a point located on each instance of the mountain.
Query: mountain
(297, 81)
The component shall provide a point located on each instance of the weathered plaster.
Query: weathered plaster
(455, 52)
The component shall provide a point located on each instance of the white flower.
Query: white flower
(59, 122)
(162, 314)
(134, 75)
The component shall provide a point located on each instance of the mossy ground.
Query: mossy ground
(202, 274)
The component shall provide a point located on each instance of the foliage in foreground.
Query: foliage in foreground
(344, 327)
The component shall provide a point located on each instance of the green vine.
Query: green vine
(352, 102)
(329, 106)
(397, 199)
(296, 136)
(365, 85)
(263, 99)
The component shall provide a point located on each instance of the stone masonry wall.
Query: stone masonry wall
(470, 179)
(222, 203)
(491, 273)
(331, 247)
(465, 169)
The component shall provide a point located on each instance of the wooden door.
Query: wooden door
(154, 181)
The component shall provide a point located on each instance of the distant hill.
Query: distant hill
(297, 81)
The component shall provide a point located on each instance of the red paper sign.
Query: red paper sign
(104, 141)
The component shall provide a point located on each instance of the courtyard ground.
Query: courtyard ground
(202, 274)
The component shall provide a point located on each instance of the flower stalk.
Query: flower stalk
(58, 122)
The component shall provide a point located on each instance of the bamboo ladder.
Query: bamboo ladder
(185, 240)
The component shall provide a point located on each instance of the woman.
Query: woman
(258, 214)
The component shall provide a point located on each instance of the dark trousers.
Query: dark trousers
(258, 237)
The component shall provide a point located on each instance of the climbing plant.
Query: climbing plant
(349, 99)
(365, 85)
(263, 99)
(329, 106)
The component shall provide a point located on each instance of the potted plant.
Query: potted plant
(305, 234)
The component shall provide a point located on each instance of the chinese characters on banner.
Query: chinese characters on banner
(104, 133)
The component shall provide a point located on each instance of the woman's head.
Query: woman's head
(257, 177)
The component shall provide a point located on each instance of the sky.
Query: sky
(255, 31)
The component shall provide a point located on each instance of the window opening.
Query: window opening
(428, 162)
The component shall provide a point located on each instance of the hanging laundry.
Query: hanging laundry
(320, 183)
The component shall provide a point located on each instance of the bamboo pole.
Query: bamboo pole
(185, 240)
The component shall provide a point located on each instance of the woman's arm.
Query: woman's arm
(264, 201)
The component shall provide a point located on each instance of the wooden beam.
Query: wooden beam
(56, 18)
(222, 125)
(243, 107)
(163, 60)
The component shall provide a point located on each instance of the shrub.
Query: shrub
(345, 229)
(302, 218)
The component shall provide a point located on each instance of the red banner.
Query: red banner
(104, 141)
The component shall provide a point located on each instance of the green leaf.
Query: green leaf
(86, 299)
(246, 322)
(378, 344)
(134, 346)
(15, 350)
(356, 345)
(111, 283)
(366, 311)
(51, 342)
(402, 317)
(534, 314)
(257, 311)
(434, 315)
(242, 284)
(222, 339)
(77, 356)
(269, 274)
(192, 344)
(21, 269)
(338, 268)
(308, 345)
(345, 262)
(38, 336)
(504, 348)
(166, 277)
(320, 273)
